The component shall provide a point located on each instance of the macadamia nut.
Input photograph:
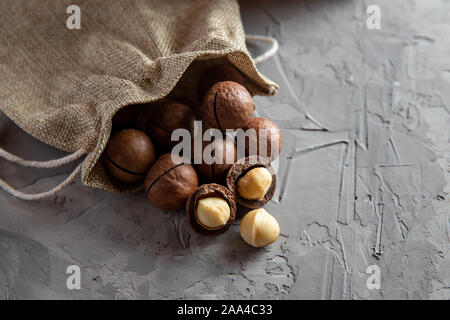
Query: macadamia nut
(128, 155)
(227, 105)
(211, 209)
(267, 138)
(170, 182)
(259, 228)
(212, 212)
(254, 184)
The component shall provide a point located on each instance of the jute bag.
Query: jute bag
(63, 86)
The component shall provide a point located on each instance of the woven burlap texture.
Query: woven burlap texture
(63, 86)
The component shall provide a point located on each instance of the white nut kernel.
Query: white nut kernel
(254, 184)
(259, 228)
(212, 212)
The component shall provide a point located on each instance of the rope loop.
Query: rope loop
(41, 164)
(269, 53)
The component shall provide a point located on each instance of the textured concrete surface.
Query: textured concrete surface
(364, 178)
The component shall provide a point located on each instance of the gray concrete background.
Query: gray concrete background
(364, 178)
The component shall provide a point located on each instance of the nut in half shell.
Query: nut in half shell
(170, 182)
(253, 180)
(211, 209)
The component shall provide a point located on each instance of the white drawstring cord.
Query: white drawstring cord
(42, 195)
(41, 164)
(269, 53)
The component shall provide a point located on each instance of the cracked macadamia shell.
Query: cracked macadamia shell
(208, 191)
(240, 169)
(128, 155)
(227, 105)
(170, 182)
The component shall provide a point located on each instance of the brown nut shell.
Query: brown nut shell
(272, 138)
(205, 191)
(240, 168)
(218, 74)
(164, 118)
(225, 149)
(170, 182)
(128, 155)
(227, 105)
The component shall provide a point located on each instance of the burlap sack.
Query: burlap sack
(63, 86)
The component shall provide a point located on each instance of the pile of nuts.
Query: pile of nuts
(211, 193)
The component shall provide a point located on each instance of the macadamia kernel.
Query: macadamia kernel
(213, 212)
(254, 184)
(259, 228)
